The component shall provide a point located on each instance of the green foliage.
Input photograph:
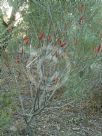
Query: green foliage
(7, 107)
(4, 120)
(81, 23)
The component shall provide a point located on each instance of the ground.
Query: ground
(60, 118)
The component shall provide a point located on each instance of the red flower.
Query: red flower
(81, 20)
(26, 40)
(98, 48)
(41, 36)
(17, 60)
(61, 43)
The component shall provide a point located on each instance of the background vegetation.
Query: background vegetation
(77, 24)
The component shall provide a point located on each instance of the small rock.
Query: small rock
(39, 128)
(76, 129)
(13, 128)
(58, 127)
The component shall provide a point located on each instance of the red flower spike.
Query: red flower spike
(26, 40)
(41, 36)
(17, 60)
(59, 41)
(98, 48)
(81, 20)
(63, 44)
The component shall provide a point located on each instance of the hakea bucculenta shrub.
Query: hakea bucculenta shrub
(46, 69)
